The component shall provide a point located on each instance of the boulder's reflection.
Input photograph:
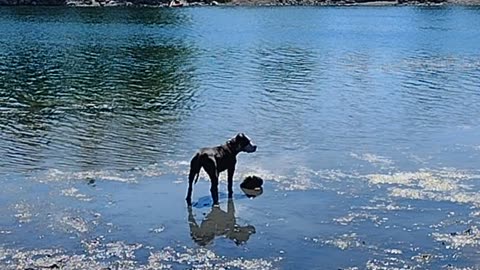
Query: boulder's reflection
(252, 193)
(219, 223)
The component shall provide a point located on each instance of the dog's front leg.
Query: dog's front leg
(231, 171)
(214, 188)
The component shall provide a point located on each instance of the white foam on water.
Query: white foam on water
(301, 178)
(344, 241)
(202, 258)
(77, 224)
(446, 184)
(55, 175)
(359, 217)
(424, 257)
(24, 212)
(386, 207)
(391, 263)
(73, 192)
(393, 251)
(469, 237)
(120, 255)
(373, 159)
(181, 168)
(159, 229)
(475, 214)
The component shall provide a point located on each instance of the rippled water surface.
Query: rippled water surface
(367, 121)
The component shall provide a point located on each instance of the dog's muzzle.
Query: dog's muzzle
(250, 148)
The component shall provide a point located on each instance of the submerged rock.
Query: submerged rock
(456, 240)
(252, 186)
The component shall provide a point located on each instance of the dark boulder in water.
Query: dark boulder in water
(252, 182)
(252, 186)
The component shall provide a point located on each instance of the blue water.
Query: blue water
(366, 118)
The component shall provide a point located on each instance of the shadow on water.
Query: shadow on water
(219, 223)
(206, 201)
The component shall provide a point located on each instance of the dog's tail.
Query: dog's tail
(194, 169)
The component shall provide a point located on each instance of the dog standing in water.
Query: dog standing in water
(215, 160)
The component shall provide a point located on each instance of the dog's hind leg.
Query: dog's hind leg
(194, 172)
(211, 169)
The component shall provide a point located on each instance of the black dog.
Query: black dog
(216, 160)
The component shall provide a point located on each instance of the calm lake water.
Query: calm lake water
(367, 121)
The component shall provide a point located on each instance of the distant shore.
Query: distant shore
(164, 3)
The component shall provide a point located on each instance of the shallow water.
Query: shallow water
(367, 122)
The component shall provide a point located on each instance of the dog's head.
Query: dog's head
(241, 234)
(241, 143)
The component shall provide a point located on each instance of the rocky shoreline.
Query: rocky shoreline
(165, 3)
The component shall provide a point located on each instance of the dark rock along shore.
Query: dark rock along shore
(162, 3)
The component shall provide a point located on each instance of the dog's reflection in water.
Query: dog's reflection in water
(219, 223)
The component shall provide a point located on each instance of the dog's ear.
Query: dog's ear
(241, 137)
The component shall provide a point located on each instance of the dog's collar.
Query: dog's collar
(230, 147)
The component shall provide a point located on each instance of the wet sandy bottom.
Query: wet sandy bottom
(309, 219)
